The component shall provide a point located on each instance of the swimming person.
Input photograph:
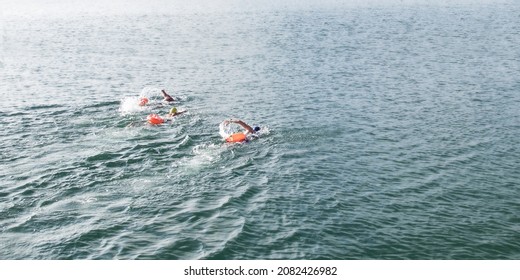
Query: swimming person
(173, 112)
(144, 101)
(247, 135)
(167, 97)
(155, 119)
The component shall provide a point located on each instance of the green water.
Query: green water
(388, 132)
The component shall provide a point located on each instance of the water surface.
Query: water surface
(390, 131)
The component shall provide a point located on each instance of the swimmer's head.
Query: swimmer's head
(173, 111)
(257, 128)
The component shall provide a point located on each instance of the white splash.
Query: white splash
(130, 105)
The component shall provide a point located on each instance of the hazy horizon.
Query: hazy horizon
(62, 8)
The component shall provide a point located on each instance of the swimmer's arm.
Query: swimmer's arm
(167, 96)
(245, 126)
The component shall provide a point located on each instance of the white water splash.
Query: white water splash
(130, 105)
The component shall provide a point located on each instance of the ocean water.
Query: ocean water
(390, 130)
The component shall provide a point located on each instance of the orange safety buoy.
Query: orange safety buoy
(155, 119)
(143, 101)
(237, 137)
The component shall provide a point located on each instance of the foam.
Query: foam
(130, 105)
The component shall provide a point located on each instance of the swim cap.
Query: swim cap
(257, 128)
(173, 110)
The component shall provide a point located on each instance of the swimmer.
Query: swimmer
(167, 97)
(156, 119)
(247, 135)
(173, 112)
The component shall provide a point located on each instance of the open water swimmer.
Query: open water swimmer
(156, 119)
(167, 99)
(227, 133)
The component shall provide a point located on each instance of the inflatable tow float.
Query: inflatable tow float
(143, 101)
(154, 119)
(236, 137)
